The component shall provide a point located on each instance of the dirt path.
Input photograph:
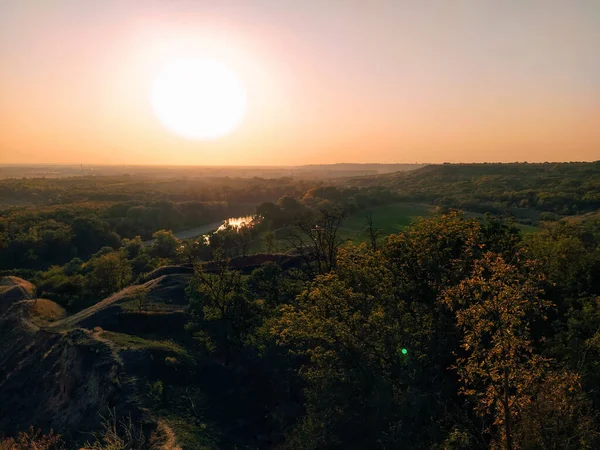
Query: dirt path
(69, 321)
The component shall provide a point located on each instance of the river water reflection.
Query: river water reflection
(237, 222)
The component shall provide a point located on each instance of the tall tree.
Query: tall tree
(373, 232)
(219, 298)
(191, 250)
(165, 244)
(494, 309)
(316, 239)
(360, 346)
(110, 273)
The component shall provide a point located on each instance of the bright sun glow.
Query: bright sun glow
(198, 99)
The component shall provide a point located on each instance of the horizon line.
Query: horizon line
(261, 166)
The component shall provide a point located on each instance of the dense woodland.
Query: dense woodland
(553, 189)
(71, 218)
(459, 332)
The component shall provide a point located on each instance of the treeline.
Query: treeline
(85, 220)
(556, 189)
(109, 263)
(36, 239)
(80, 283)
(287, 210)
(118, 188)
(454, 334)
(81, 215)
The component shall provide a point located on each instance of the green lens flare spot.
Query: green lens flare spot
(404, 351)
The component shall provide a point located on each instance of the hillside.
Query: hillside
(556, 188)
(124, 358)
(68, 376)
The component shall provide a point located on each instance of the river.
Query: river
(209, 228)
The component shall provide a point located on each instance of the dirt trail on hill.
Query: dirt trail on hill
(84, 314)
(162, 288)
(72, 375)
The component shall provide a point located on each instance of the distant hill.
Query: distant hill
(305, 171)
(351, 169)
(557, 188)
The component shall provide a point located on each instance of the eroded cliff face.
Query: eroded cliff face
(67, 374)
(13, 289)
(60, 380)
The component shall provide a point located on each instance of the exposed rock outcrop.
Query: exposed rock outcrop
(60, 380)
(14, 289)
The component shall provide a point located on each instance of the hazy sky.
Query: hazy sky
(327, 80)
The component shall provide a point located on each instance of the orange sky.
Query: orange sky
(327, 81)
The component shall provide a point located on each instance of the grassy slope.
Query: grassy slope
(390, 219)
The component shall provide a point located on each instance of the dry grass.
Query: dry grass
(123, 434)
(33, 440)
(44, 311)
(129, 341)
(8, 282)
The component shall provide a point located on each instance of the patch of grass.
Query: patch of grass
(45, 311)
(128, 341)
(151, 308)
(527, 229)
(390, 219)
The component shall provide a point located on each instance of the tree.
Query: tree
(559, 415)
(291, 208)
(165, 244)
(433, 254)
(316, 239)
(132, 247)
(226, 241)
(62, 285)
(269, 283)
(90, 234)
(140, 297)
(110, 273)
(219, 298)
(569, 256)
(494, 309)
(373, 232)
(244, 236)
(191, 250)
(269, 240)
(359, 345)
(271, 214)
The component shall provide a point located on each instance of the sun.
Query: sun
(198, 98)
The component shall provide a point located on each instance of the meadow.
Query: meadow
(389, 219)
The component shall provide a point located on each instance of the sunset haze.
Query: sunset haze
(337, 81)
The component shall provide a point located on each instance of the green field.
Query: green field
(389, 219)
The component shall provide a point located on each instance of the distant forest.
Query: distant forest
(556, 188)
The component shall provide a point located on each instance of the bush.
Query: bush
(33, 440)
